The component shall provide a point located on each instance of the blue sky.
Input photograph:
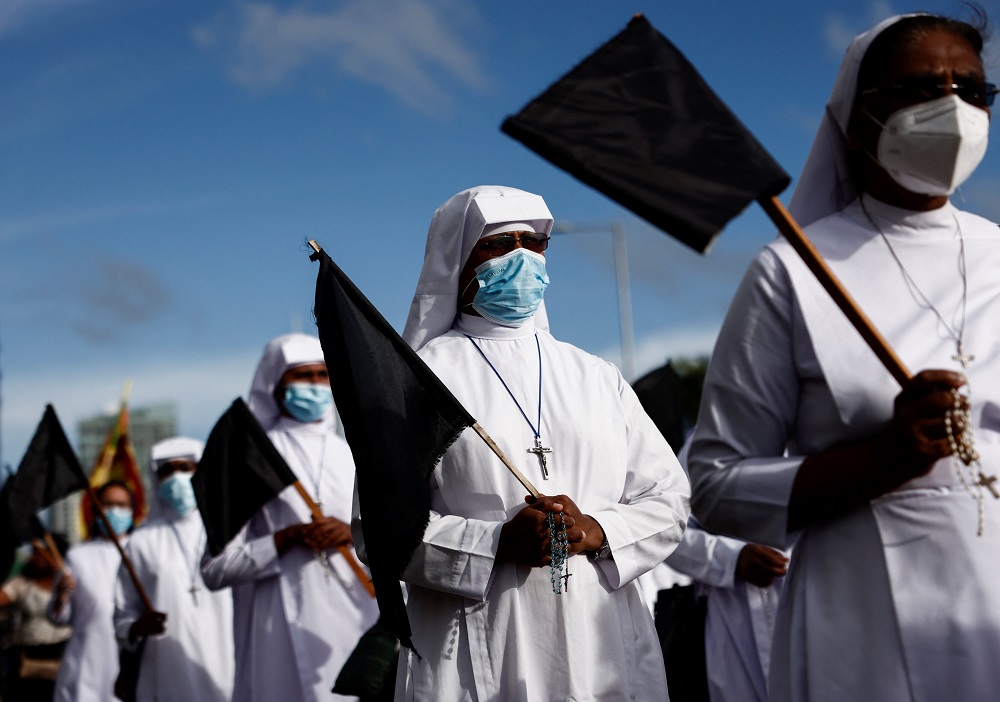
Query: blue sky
(163, 163)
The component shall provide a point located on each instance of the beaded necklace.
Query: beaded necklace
(558, 542)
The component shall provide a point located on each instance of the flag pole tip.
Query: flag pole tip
(316, 249)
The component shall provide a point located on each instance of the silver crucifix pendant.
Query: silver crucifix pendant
(540, 452)
(962, 357)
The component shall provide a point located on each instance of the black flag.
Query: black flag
(49, 471)
(8, 539)
(399, 419)
(239, 472)
(637, 122)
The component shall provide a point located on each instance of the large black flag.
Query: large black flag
(399, 419)
(48, 472)
(637, 122)
(239, 472)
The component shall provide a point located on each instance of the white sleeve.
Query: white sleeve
(649, 521)
(707, 558)
(741, 477)
(244, 559)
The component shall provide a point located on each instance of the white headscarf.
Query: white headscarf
(280, 354)
(456, 227)
(825, 185)
(178, 448)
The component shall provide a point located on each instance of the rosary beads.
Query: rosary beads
(559, 545)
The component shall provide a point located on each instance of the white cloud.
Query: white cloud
(654, 350)
(839, 31)
(407, 47)
(201, 391)
(14, 14)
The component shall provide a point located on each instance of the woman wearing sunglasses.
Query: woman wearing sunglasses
(892, 592)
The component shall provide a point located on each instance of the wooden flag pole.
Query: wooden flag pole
(826, 277)
(479, 430)
(506, 461)
(317, 514)
(55, 558)
(92, 494)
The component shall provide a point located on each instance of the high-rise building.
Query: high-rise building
(147, 425)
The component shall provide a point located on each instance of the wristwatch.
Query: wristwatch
(603, 551)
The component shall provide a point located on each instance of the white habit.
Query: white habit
(296, 619)
(90, 663)
(491, 630)
(193, 659)
(897, 600)
(740, 616)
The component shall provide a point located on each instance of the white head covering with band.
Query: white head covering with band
(456, 227)
(280, 354)
(825, 185)
(178, 448)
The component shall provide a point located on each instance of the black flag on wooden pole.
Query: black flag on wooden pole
(48, 472)
(399, 419)
(637, 122)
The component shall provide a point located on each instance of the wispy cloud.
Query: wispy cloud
(410, 48)
(201, 388)
(838, 30)
(654, 350)
(14, 14)
(118, 295)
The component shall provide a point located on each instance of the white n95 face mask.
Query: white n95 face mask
(931, 148)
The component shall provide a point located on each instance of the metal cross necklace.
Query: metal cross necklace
(538, 449)
(191, 563)
(969, 456)
(959, 337)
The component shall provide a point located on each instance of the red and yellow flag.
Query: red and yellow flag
(116, 461)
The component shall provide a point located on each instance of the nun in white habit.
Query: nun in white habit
(189, 654)
(485, 617)
(892, 591)
(84, 599)
(297, 615)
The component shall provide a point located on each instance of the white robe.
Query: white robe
(193, 659)
(492, 631)
(295, 621)
(90, 663)
(897, 600)
(739, 618)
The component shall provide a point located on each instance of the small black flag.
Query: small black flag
(239, 472)
(637, 122)
(49, 471)
(399, 419)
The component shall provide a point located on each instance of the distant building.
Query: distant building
(147, 425)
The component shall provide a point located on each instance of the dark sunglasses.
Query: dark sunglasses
(923, 88)
(505, 243)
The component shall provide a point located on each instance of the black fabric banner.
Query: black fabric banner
(48, 472)
(239, 472)
(8, 539)
(399, 419)
(637, 122)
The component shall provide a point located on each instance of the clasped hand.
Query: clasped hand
(918, 434)
(525, 538)
(320, 535)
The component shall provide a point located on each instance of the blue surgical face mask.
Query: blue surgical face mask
(307, 402)
(177, 492)
(120, 519)
(511, 287)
